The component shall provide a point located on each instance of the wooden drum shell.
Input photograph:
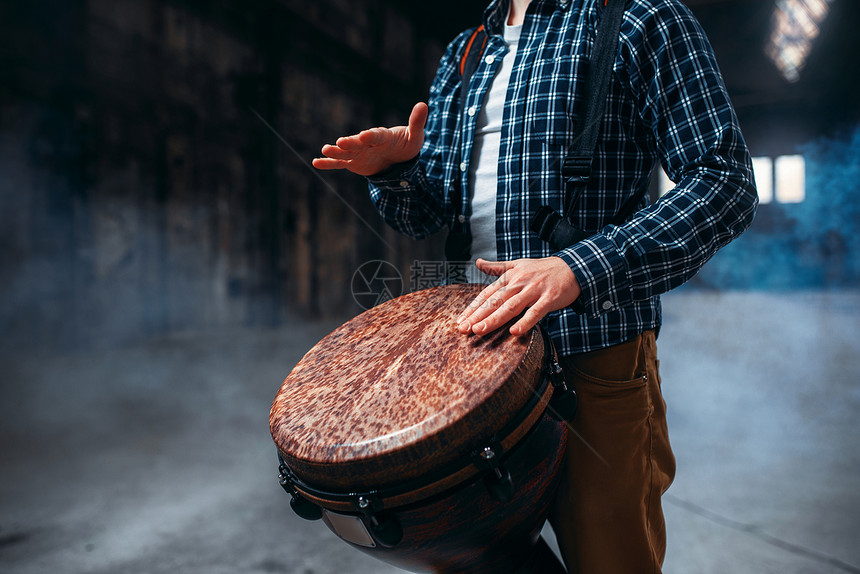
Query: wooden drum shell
(396, 404)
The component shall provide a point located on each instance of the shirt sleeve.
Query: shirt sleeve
(411, 196)
(406, 201)
(678, 92)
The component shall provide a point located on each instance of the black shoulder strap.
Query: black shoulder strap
(576, 168)
(471, 56)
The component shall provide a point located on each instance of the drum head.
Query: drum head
(398, 392)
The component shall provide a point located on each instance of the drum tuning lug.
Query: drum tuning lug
(552, 369)
(305, 508)
(500, 485)
(488, 457)
(300, 505)
(385, 527)
(498, 481)
(564, 401)
(556, 375)
(387, 531)
(368, 504)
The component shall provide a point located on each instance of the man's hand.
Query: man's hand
(375, 150)
(537, 286)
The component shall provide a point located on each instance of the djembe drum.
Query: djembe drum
(428, 449)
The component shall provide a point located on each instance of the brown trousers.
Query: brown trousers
(607, 515)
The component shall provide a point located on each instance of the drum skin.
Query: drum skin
(397, 392)
(396, 395)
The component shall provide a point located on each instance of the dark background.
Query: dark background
(155, 155)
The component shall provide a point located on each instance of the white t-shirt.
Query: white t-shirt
(485, 155)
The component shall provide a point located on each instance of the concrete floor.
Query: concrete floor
(156, 458)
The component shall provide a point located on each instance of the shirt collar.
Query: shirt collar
(497, 12)
(494, 16)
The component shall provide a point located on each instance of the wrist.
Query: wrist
(394, 170)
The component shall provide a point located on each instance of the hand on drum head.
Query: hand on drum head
(536, 286)
(372, 151)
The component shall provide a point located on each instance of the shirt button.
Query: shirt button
(463, 166)
(472, 111)
(607, 305)
(490, 59)
(461, 218)
(404, 183)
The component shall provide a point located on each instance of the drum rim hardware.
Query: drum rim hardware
(462, 470)
(300, 505)
(497, 479)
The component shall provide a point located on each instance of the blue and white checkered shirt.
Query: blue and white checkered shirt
(667, 103)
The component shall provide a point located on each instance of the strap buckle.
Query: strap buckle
(576, 169)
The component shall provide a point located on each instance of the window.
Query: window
(796, 24)
(763, 168)
(782, 180)
(790, 179)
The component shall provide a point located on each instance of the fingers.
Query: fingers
(529, 319)
(326, 163)
(486, 300)
(418, 118)
(360, 140)
(371, 151)
(479, 300)
(333, 158)
(498, 311)
(373, 137)
(479, 308)
(340, 155)
(336, 152)
(494, 268)
(363, 139)
(490, 301)
(533, 287)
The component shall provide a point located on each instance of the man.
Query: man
(598, 298)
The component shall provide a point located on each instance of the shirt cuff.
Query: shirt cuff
(398, 178)
(601, 273)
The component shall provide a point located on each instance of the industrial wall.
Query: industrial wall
(154, 159)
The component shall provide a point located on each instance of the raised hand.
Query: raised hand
(536, 286)
(375, 150)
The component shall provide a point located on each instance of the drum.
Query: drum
(428, 449)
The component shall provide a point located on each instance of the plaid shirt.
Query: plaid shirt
(667, 103)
